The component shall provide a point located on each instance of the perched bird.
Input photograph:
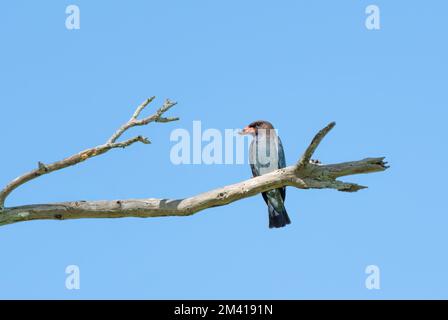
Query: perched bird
(265, 155)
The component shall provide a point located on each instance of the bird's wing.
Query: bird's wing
(252, 159)
(281, 164)
(281, 155)
(256, 170)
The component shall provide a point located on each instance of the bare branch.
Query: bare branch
(128, 142)
(169, 119)
(141, 107)
(133, 122)
(312, 177)
(306, 157)
(92, 152)
(303, 175)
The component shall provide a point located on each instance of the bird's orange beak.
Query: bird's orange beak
(247, 130)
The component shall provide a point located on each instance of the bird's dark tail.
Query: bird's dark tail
(278, 219)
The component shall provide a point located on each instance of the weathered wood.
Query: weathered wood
(310, 177)
(303, 175)
(95, 151)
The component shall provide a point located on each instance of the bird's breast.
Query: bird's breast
(263, 154)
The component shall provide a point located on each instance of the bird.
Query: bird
(266, 154)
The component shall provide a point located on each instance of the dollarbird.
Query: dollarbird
(265, 155)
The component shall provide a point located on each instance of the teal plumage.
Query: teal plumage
(266, 154)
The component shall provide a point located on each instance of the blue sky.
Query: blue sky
(299, 64)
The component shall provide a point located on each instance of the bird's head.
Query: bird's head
(254, 127)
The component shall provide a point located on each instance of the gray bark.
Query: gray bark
(311, 177)
(305, 174)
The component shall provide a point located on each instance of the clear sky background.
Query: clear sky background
(299, 64)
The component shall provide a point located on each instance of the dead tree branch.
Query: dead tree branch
(303, 175)
(95, 151)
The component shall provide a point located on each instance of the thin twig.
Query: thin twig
(133, 122)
